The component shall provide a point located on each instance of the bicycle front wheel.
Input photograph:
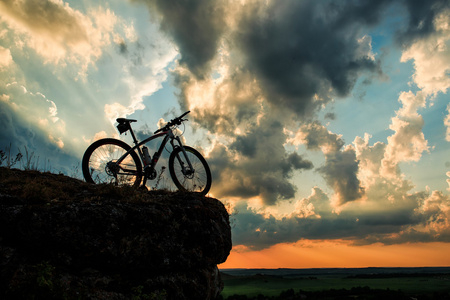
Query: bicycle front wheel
(197, 179)
(100, 164)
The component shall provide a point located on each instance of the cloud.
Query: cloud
(317, 137)
(256, 164)
(5, 57)
(421, 22)
(269, 56)
(408, 141)
(41, 17)
(64, 36)
(55, 31)
(270, 68)
(389, 212)
(276, 65)
(341, 166)
(224, 104)
(19, 134)
(415, 217)
(435, 209)
(431, 55)
(304, 53)
(369, 158)
(195, 26)
(341, 173)
(313, 218)
(72, 58)
(429, 222)
(35, 107)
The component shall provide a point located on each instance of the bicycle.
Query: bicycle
(114, 161)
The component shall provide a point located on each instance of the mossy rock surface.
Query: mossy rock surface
(61, 238)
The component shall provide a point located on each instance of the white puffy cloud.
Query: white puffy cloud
(431, 56)
(408, 141)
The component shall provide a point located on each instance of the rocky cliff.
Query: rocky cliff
(61, 238)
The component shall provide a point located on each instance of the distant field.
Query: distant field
(268, 283)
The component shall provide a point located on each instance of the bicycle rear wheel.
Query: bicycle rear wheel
(100, 165)
(196, 180)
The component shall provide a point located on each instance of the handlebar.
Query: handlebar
(176, 121)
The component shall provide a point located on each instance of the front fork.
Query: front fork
(149, 170)
(186, 171)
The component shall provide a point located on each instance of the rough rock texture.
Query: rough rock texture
(61, 238)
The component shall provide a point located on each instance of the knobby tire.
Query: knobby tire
(199, 181)
(103, 151)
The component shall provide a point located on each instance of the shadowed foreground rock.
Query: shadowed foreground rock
(62, 238)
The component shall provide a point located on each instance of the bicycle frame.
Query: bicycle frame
(168, 135)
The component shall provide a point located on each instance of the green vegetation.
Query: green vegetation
(409, 285)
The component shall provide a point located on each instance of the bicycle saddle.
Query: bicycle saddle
(123, 120)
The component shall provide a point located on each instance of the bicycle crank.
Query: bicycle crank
(150, 173)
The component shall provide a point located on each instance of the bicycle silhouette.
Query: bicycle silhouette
(114, 161)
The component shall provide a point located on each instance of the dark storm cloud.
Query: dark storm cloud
(195, 26)
(296, 162)
(421, 218)
(258, 232)
(300, 49)
(341, 166)
(256, 163)
(421, 17)
(123, 48)
(330, 116)
(340, 172)
(317, 136)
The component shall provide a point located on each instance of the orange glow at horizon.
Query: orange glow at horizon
(339, 254)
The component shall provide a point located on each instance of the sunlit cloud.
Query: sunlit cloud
(431, 56)
(5, 57)
(92, 64)
(64, 36)
(408, 142)
(36, 108)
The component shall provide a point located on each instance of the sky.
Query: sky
(326, 124)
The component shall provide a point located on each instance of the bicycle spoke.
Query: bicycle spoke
(197, 179)
(103, 167)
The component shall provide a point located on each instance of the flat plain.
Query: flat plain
(271, 282)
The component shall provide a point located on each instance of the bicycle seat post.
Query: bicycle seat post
(133, 136)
